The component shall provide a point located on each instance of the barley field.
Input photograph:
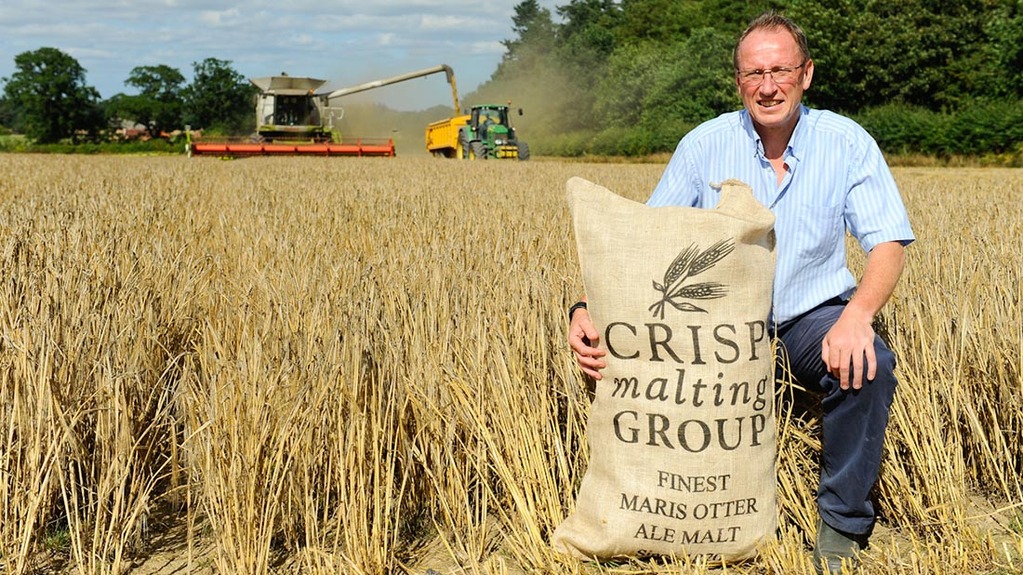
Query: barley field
(304, 365)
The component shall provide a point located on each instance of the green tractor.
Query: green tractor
(488, 135)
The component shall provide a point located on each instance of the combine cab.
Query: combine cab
(293, 119)
(288, 109)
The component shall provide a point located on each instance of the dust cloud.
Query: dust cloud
(549, 100)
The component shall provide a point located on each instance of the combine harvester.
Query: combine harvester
(295, 120)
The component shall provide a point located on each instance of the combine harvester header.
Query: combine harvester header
(294, 120)
(357, 147)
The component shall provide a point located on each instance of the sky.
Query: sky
(345, 42)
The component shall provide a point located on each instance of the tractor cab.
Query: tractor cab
(491, 122)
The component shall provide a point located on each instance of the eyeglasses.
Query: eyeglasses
(780, 75)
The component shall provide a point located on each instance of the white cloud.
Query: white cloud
(220, 17)
(344, 41)
(303, 40)
(494, 47)
(451, 23)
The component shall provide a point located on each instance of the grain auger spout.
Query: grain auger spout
(388, 81)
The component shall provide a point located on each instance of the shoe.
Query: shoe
(834, 547)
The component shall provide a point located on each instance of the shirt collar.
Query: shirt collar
(796, 141)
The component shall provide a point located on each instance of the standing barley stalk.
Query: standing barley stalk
(369, 373)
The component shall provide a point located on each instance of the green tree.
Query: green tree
(624, 75)
(159, 103)
(697, 83)
(8, 119)
(664, 87)
(219, 98)
(655, 20)
(50, 99)
(588, 30)
(916, 52)
(531, 74)
(667, 21)
(1005, 29)
(586, 39)
(535, 38)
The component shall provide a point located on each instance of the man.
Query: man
(820, 174)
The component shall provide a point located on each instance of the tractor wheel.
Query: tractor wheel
(523, 151)
(479, 151)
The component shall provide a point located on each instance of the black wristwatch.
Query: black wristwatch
(575, 306)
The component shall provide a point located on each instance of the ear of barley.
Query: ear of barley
(680, 266)
(711, 256)
(706, 290)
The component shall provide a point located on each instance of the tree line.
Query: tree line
(47, 99)
(632, 76)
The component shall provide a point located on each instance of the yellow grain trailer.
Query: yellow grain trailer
(442, 137)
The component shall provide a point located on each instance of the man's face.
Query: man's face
(772, 105)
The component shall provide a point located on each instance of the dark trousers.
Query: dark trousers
(854, 420)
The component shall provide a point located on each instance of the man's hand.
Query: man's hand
(583, 339)
(848, 348)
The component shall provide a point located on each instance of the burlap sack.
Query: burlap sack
(681, 429)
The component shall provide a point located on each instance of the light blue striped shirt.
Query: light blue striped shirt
(837, 181)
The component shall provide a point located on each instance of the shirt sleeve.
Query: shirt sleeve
(679, 184)
(874, 210)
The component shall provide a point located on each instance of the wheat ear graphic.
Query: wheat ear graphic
(688, 263)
